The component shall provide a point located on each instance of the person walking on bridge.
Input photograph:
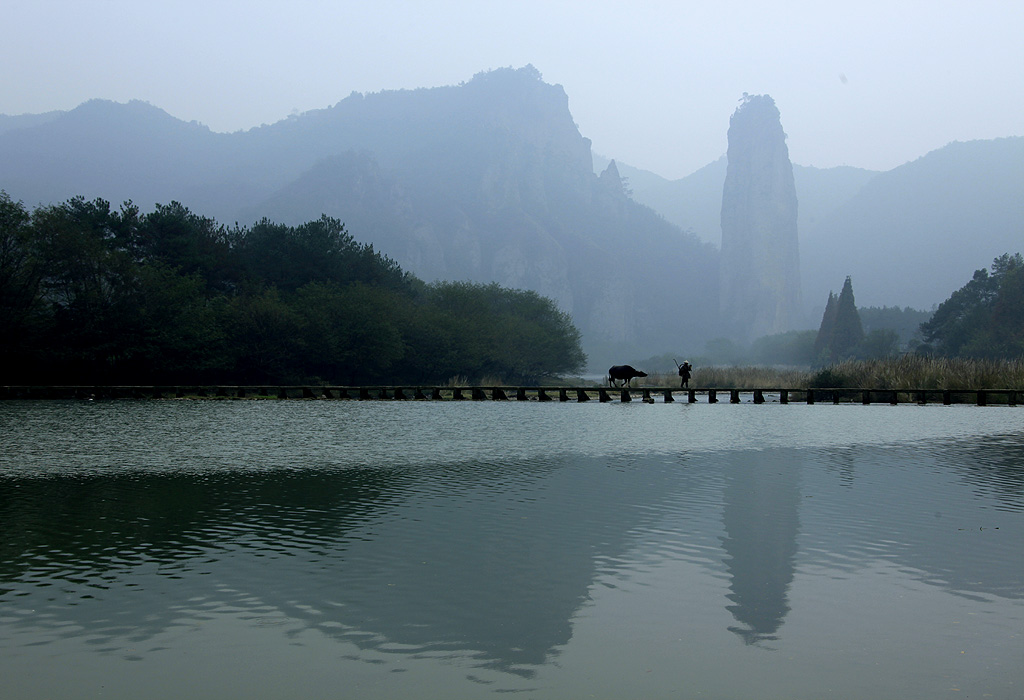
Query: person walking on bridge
(684, 373)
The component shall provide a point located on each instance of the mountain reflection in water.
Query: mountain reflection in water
(491, 552)
(761, 517)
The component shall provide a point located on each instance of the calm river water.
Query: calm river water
(405, 550)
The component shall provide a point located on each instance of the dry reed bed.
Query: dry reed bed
(906, 372)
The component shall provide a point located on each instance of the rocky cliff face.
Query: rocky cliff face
(509, 195)
(760, 261)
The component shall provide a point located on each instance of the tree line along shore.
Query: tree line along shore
(95, 295)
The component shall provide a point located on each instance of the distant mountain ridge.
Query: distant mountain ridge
(694, 202)
(491, 180)
(22, 121)
(908, 237)
(486, 181)
(913, 235)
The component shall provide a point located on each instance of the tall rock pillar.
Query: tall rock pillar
(760, 260)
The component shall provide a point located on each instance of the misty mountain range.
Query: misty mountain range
(491, 180)
(909, 236)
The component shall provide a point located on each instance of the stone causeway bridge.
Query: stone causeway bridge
(579, 394)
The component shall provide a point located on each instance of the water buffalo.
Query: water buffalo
(623, 373)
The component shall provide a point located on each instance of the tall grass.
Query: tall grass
(905, 372)
(919, 372)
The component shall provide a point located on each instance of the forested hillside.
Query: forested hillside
(91, 294)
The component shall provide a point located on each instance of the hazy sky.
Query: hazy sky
(653, 84)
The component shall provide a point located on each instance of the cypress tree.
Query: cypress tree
(823, 342)
(848, 332)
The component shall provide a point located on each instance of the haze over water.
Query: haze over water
(423, 550)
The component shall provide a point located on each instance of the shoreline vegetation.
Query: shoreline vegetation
(95, 296)
(906, 372)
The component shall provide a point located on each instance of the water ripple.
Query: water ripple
(509, 541)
